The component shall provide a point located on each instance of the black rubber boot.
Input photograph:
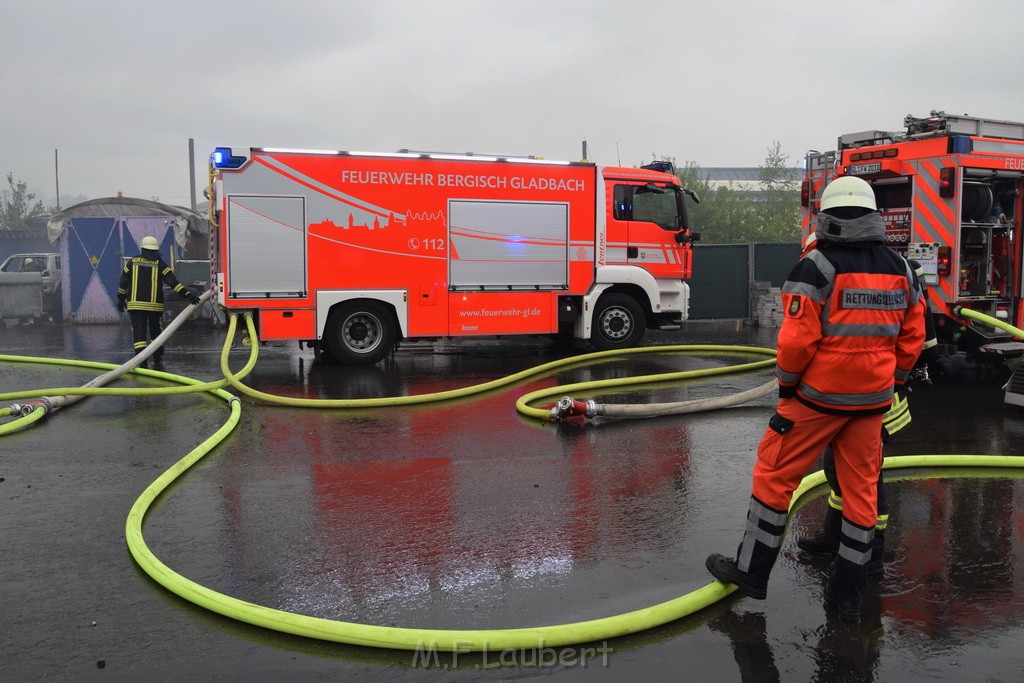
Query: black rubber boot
(826, 540)
(848, 580)
(756, 554)
(849, 610)
(876, 566)
(725, 570)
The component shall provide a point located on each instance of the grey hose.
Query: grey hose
(52, 403)
(682, 407)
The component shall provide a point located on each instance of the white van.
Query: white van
(47, 265)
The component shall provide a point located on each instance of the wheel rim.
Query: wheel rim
(616, 324)
(361, 332)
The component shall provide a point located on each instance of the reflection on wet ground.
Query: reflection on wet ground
(466, 515)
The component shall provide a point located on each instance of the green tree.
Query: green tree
(778, 207)
(738, 213)
(18, 204)
(725, 213)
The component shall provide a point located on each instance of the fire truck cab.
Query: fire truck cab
(349, 252)
(949, 191)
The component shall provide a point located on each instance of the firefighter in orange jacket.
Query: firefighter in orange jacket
(852, 332)
(826, 540)
(141, 291)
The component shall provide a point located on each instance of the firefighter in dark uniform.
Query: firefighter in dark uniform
(141, 292)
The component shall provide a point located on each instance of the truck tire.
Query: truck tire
(619, 323)
(360, 332)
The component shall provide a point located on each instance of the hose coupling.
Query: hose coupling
(25, 409)
(567, 406)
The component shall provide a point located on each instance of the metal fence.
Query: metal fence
(723, 279)
(22, 242)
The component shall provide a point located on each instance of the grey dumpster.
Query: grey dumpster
(21, 296)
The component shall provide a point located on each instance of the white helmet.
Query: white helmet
(848, 191)
(149, 242)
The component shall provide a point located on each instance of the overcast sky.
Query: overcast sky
(119, 87)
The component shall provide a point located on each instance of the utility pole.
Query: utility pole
(56, 174)
(192, 169)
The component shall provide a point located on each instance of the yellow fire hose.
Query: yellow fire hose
(989, 320)
(436, 639)
(522, 405)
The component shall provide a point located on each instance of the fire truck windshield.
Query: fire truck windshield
(657, 204)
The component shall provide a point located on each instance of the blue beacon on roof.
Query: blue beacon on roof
(223, 158)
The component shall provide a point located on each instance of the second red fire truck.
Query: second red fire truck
(949, 190)
(349, 252)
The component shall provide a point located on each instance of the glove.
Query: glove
(121, 306)
(190, 296)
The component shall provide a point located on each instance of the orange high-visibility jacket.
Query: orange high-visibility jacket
(854, 321)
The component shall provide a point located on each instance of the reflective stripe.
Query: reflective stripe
(929, 343)
(824, 265)
(145, 306)
(852, 534)
(882, 523)
(896, 425)
(900, 405)
(859, 330)
(848, 553)
(816, 294)
(803, 289)
(898, 416)
(754, 533)
(901, 375)
(764, 512)
(856, 533)
(789, 377)
(764, 536)
(134, 287)
(847, 399)
(835, 501)
(915, 292)
(935, 211)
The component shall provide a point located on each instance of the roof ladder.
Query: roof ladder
(940, 123)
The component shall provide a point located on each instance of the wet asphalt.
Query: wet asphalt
(467, 515)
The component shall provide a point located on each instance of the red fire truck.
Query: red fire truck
(349, 252)
(949, 190)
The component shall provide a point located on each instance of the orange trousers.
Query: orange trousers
(784, 458)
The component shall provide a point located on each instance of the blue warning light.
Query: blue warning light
(223, 158)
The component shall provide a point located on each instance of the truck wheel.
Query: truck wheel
(360, 333)
(619, 323)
